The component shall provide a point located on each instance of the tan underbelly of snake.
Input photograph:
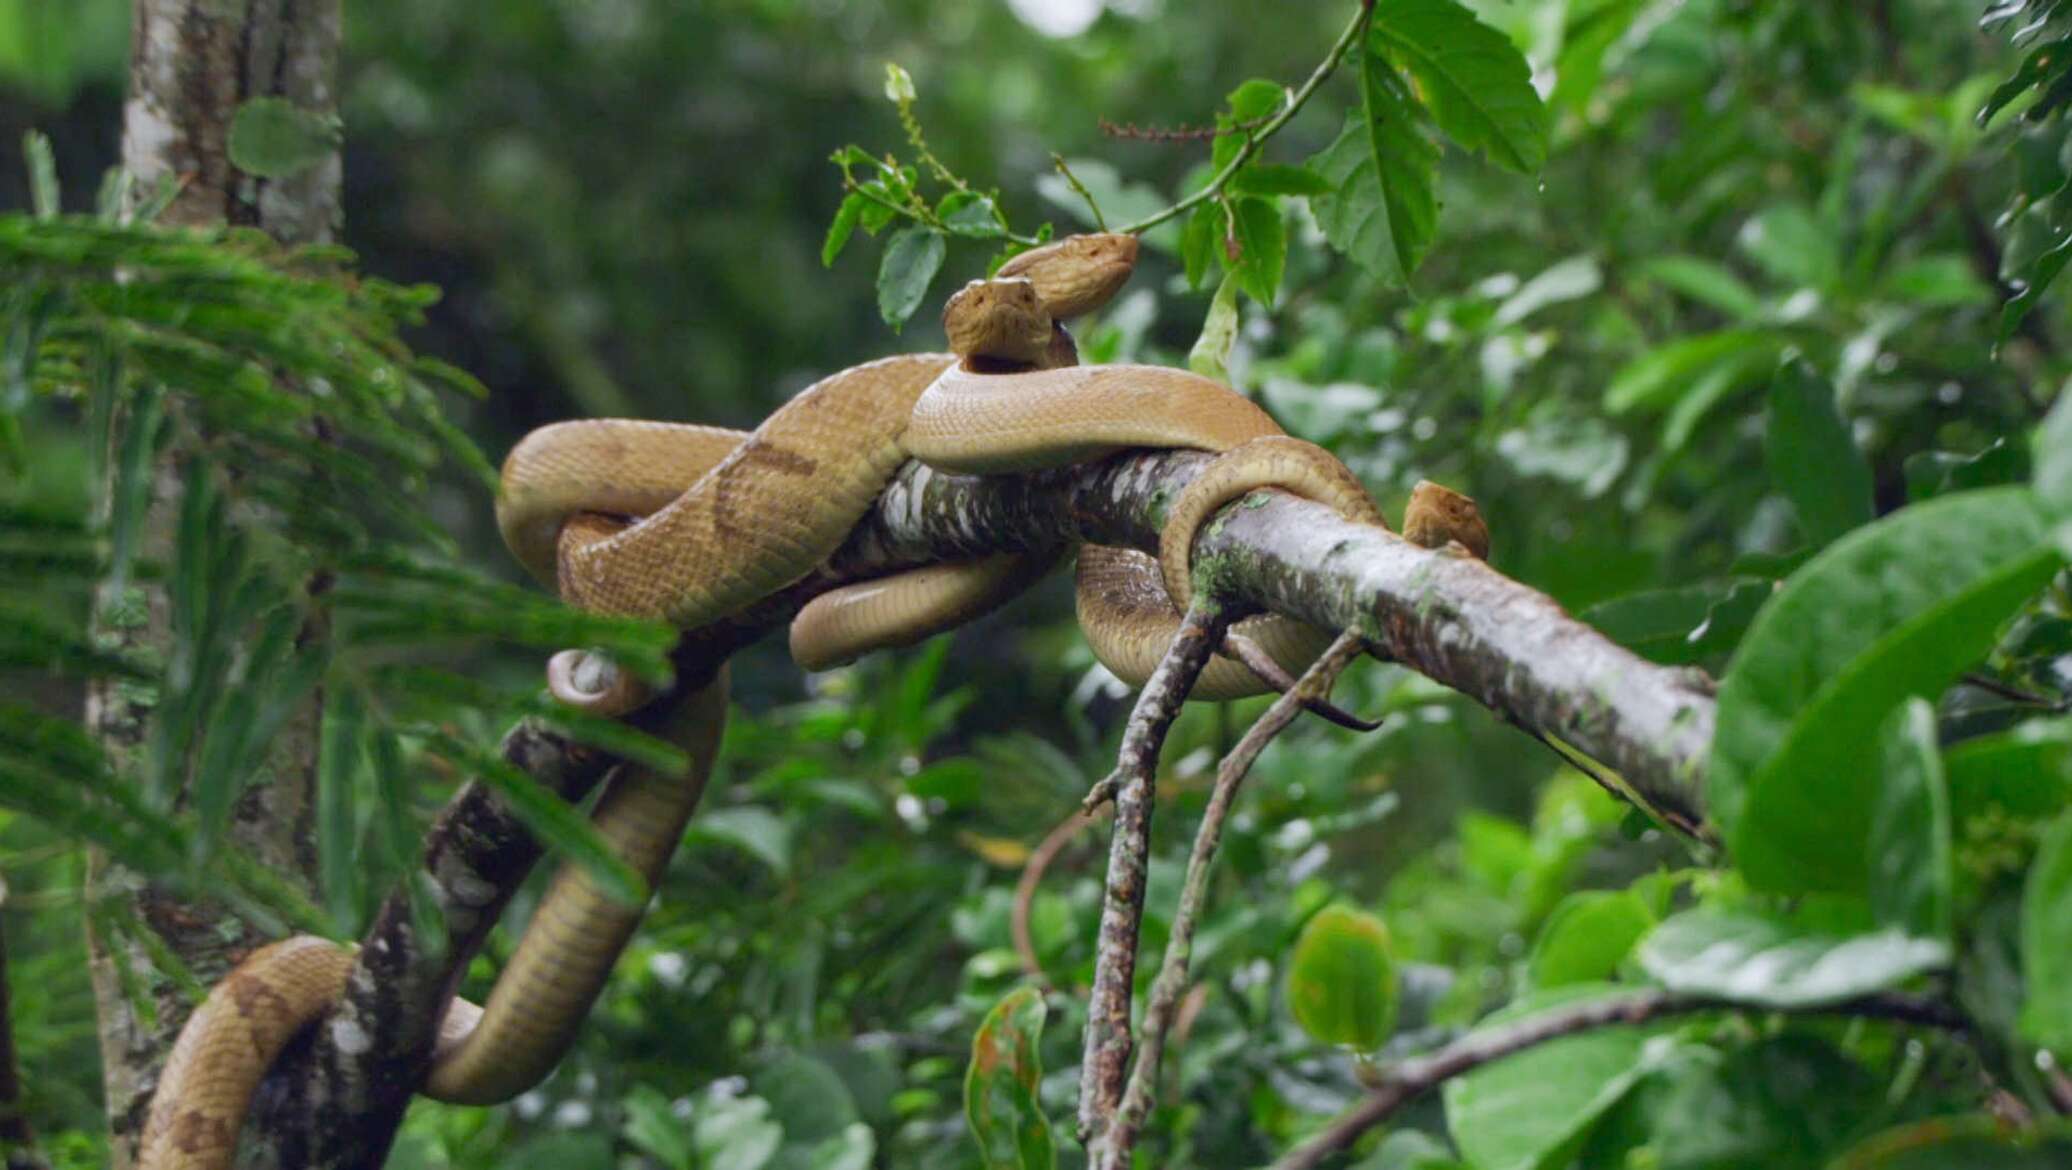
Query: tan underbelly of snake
(691, 524)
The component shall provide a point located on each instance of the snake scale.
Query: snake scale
(691, 524)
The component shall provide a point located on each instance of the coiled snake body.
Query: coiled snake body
(692, 524)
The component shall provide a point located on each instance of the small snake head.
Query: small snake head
(1437, 514)
(1003, 320)
(1078, 274)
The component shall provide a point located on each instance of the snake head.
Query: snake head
(1437, 514)
(1002, 319)
(1077, 274)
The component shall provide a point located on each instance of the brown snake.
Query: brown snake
(692, 524)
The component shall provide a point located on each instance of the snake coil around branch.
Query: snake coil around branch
(694, 524)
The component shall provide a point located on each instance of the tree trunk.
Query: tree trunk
(193, 63)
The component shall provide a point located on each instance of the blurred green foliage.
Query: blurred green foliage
(1755, 360)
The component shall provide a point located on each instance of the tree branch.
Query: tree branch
(1450, 617)
(1121, 1138)
(1406, 1080)
(1134, 785)
(370, 1054)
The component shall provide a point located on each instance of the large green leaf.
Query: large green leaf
(1380, 217)
(1531, 1110)
(2047, 941)
(1812, 456)
(1894, 609)
(1403, 158)
(1765, 962)
(1477, 83)
(1001, 1088)
(1912, 871)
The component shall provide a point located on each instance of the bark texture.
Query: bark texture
(193, 63)
(1448, 616)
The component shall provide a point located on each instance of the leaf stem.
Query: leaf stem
(1253, 142)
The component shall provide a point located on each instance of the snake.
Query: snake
(691, 524)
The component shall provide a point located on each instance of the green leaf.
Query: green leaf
(912, 257)
(1257, 98)
(1896, 608)
(1198, 242)
(755, 831)
(1210, 356)
(1564, 280)
(968, 214)
(1937, 473)
(275, 139)
(2053, 452)
(1410, 1149)
(1384, 220)
(1764, 962)
(1262, 248)
(1941, 281)
(1812, 456)
(1683, 624)
(1588, 936)
(651, 1126)
(2024, 772)
(1790, 244)
(1342, 980)
(1404, 159)
(1707, 282)
(1002, 1099)
(1531, 1110)
(1476, 81)
(1913, 874)
(2047, 941)
(339, 765)
(734, 1133)
(2033, 282)
(1279, 179)
(842, 227)
(1662, 376)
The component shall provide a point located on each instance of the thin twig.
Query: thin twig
(1406, 1080)
(1058, 160)
(1253, 142)
(2012, 693)
(1138, 133)
(1171, 984)
(1107, 1047)
(1025, 892)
